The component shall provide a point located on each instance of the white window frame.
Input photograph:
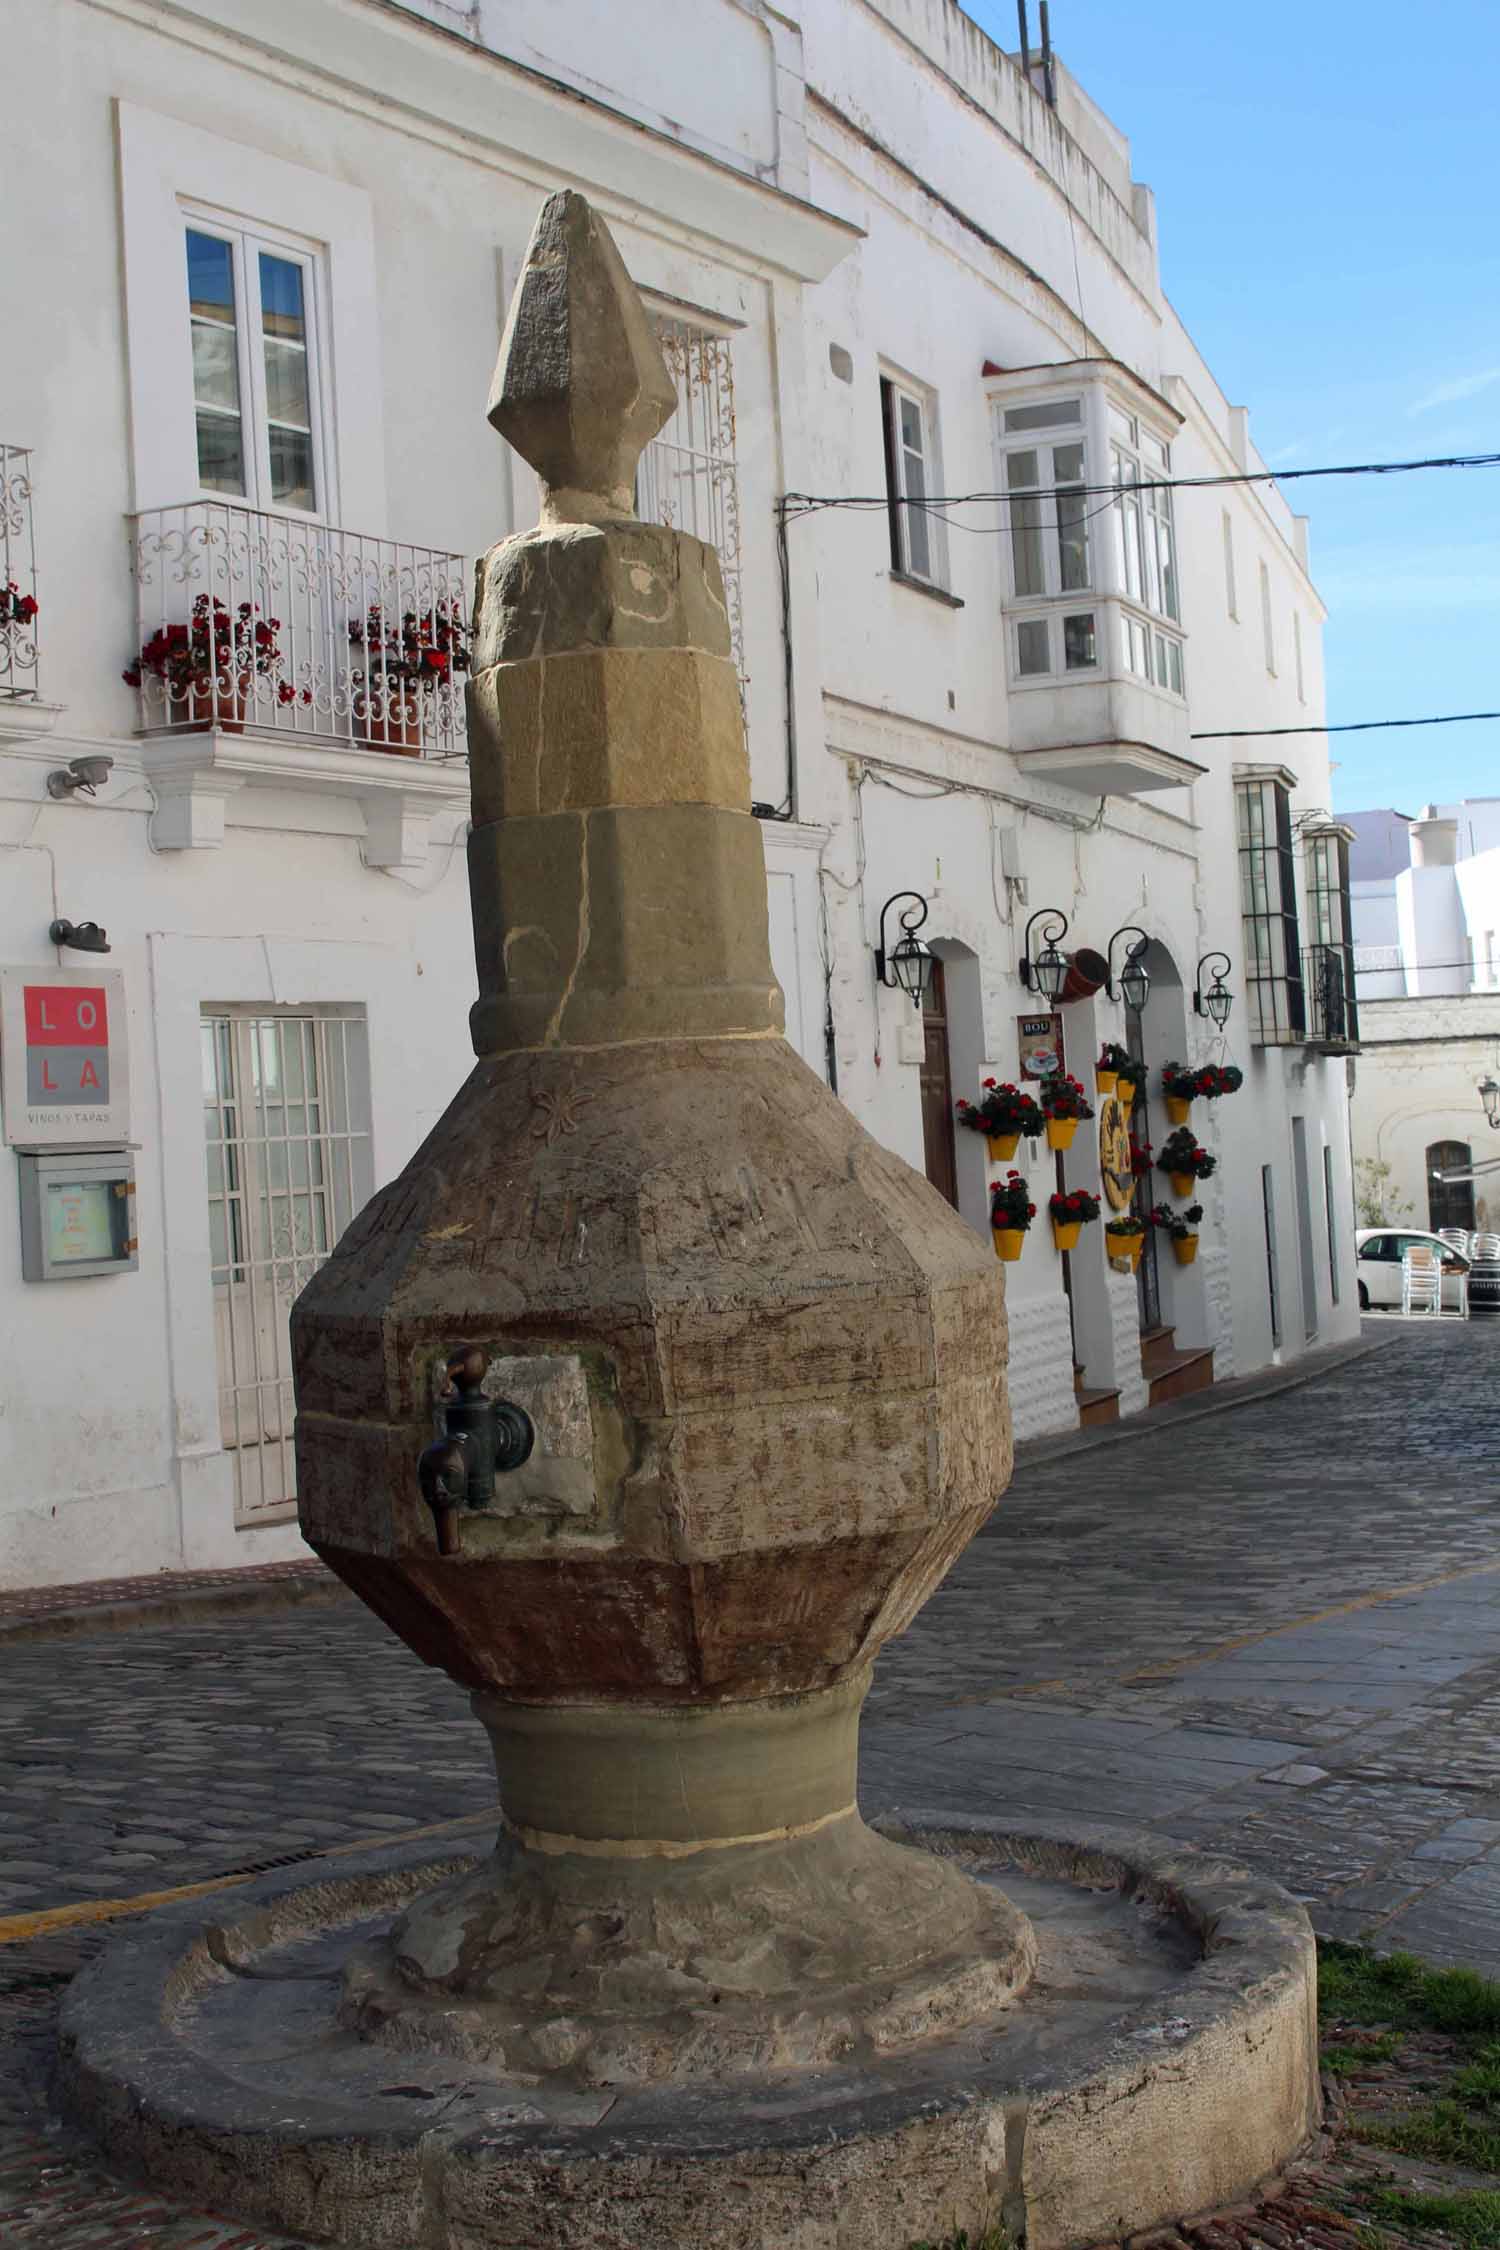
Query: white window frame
(1044, 614)
(1231, 594)
(245, 243)
(897, 390)
(1267, 623)
(1297, 655)
(168, 169)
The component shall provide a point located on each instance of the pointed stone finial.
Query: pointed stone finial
(580, 386)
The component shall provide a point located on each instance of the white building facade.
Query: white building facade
(264, 278)
(1425, 897)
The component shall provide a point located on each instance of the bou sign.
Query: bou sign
(63, 1059)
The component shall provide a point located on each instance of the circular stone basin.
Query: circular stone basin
(1162, 2061)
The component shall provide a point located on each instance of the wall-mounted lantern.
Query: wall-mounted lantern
(1218, 999)
(84, 937)
(907, 966)
(1045, 972)
(1489, 1094)
(1135, 980)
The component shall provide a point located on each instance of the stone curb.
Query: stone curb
(1241, 1390)
(186, 1606)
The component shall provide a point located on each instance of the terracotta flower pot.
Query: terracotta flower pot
(1065, 1233)
(1087, 971)
(1106, 1081)
(1184, 1248)
(1179, 1108)
(1003, 1146)
(1060, 1131)
(1183, 1184)
(1009, 1243)
(203, 709)
(394, 726)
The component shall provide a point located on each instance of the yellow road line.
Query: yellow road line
(43, 1921)
(1177, 1665)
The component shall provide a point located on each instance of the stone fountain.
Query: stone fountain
(649, 1402)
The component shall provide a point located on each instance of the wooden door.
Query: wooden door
(937, 1091)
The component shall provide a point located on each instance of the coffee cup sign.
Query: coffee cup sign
(1040, 1041)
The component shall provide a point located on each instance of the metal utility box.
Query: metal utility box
(77, 1215)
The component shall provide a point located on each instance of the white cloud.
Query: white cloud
(1462, 386)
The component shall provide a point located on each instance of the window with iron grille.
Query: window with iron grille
(286, 1109)
(688, 478)
(1333, 1019)
(1268, 904)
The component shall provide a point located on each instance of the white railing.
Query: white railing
(688, 477)
(298, 629)
(18, 603)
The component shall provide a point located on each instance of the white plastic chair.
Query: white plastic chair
(1484, 1249)
(1457, 1238)
(1421, 1282)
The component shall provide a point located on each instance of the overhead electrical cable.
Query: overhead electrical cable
(793, 504)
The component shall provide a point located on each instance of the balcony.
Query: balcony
(287, 654)
(23, 714)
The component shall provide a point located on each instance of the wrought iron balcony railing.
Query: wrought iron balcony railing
(298, 629)
(1332, 1014)
(18, 602)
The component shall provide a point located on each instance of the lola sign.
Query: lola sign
(64, 1064)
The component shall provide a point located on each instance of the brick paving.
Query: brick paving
(1274, 1632)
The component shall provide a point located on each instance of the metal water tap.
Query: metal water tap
(482, 1438)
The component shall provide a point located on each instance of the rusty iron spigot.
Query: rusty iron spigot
(482, 1438)
(498, 1434)
(443, 1475)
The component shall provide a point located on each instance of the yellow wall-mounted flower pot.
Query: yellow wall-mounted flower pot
(1060, 1131)
(1065, 1233)
(1003, 1146)
(1183, 1184)
(1184, 1248)
(1179, 1108)
(1009, 1243)
(1106, 1081)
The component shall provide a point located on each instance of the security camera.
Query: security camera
(83, 774)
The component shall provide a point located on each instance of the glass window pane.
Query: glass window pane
(292, 468)
(286, 384)
(911, 425)
(221, 458)
(1067, 464)
(1121, 426)
(1174, 667)
(1078, 643)
(210, 265)
(281, 298)
(1021, 470)
(1072, 541)
(216, 371)
(1031, 648)
(1055, 414)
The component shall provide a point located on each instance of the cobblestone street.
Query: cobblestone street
(1271, 1630)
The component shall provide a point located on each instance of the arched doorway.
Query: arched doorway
(1450, 1203)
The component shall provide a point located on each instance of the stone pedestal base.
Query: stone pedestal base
(684, 1894)
(1162, 2062)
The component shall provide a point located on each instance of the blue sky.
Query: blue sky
(1326, 188)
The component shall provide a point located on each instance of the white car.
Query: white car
(1380, 1251)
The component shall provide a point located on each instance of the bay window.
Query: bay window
(1060, 460)
(1334, 1018)
(1274, 990)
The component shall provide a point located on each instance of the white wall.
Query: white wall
(1416, 1083)
(874, 180)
